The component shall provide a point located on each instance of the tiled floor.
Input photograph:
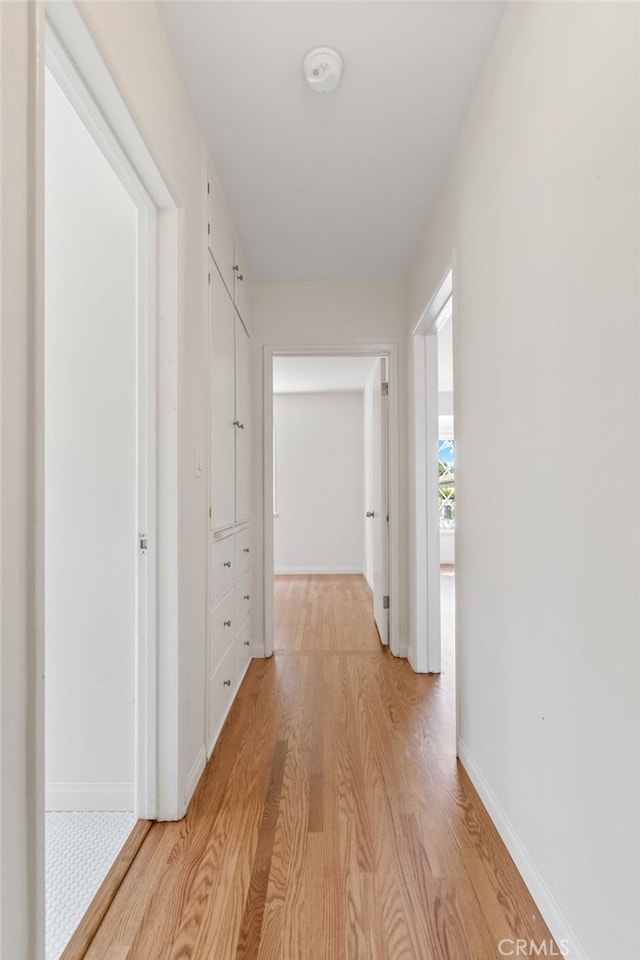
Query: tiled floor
(79, 850)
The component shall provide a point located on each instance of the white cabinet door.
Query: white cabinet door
(241, 286)
(243, 417)
(221, 241)
(222, 447)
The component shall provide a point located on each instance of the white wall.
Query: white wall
(541, 204)
(90, 469)
(324, 314)
(320, 482)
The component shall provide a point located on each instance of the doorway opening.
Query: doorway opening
(446, 486)
(329, 510)
(110, 236)
(435, 490)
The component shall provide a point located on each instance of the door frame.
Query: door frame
(391, 353)
(77, 66)
(428, 638)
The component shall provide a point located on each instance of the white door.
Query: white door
(243, 418)
(380, 506)
(221, 359)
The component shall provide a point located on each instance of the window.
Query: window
(447, 489)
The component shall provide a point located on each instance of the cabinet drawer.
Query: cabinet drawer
(222, 567)
(243, 600)
(222, 628)
(243, 552)
(222, 686)
(243, 649)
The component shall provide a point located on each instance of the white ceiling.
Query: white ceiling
(320, 374)
(335, 186)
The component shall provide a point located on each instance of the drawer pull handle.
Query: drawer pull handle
(247, 596)
(227, 563)
(239, 425)
(246, 642)
(227, 683)
(227, 623)
(246, 550)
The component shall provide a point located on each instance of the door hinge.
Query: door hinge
(208, 188)
(209, 278)
(143, 544)
(385, 603)
(209, 513)
(385, 389)
(208, 229)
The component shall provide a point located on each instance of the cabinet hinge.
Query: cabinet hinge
(209, 278)
(209, 513)
(208, 229)
(208, 188)
(385, 603)
(385, 389)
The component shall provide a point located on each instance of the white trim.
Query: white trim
(194, 775)
(391, 352)
(318, 571)
(89, 796)
(76, 37)
(538, 887)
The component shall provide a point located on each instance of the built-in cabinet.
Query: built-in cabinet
(229, 633)
(230, 410)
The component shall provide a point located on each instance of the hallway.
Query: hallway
(332, 820)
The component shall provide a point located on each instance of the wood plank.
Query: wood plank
(251, 929)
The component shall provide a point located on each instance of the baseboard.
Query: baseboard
(550, 910)
(89, 796)
(317, 571)
(195, 773)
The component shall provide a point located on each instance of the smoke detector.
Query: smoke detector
(322, 69)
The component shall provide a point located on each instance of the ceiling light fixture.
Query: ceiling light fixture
(322, 69)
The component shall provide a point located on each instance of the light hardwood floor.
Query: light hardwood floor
(332, 822)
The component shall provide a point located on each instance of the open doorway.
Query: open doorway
(446, 485)
(330, 503)
(99, 493)
(435, 485)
